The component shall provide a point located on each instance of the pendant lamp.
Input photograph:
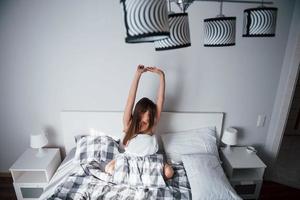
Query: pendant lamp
(145, 20)
(179, 33)
(219, 31)
(260, 22)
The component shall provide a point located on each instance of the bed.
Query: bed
(196, 163)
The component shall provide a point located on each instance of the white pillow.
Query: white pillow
(207, 178)
(201, 140)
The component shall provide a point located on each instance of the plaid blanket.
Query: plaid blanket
(135, 178)
(139, 171)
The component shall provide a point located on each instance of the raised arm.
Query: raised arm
(131, 96)
(161, 90)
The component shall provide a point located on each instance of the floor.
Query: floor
(275, 191)
(287, 167)
(7, 191)
(269, 191)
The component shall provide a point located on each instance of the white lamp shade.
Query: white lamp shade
(219, 31)
(260, 22)
(145, 20)
(38, 141)
(179, 33)
(230, 136)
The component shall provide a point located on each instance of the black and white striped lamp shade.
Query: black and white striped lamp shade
(179, 33)
(219, 31)
(259, 22)
(145, 20)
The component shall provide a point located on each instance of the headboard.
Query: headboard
(84, 122)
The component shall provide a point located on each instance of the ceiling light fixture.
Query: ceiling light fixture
(219, 31)
(145, 20)
(149, 21)
(179, 31)
(260, 22)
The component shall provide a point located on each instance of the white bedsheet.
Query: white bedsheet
(65, 168)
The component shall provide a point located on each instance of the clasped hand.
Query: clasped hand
(141, 69)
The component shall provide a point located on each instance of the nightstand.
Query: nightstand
(244, 170)
(31, 174)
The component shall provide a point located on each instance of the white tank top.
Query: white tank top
(142, 145)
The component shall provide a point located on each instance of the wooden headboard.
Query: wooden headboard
(86, 122)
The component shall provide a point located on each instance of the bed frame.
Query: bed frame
(89, 122)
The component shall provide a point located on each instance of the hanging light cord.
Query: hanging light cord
(183, 4)
(169, 6)
(221, 9)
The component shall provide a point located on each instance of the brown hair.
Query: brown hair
(141, 107)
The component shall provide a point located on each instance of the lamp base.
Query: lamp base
(41, 152)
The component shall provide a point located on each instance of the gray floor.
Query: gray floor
(287, 168)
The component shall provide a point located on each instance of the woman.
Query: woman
(140, 124)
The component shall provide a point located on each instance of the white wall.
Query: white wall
(286, 87)
(62, 55)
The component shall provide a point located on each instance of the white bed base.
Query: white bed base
(89, 122)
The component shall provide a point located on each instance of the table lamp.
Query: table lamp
(37, 141)
(229, 137)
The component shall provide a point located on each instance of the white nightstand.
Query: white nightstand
(244, 170)
(31, 174)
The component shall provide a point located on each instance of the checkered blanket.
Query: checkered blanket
(139, 171)
(134, 178)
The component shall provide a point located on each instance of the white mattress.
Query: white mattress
(65, 168)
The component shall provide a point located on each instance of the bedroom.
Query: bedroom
(71, 55)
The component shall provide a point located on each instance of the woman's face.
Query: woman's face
(144, 123)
